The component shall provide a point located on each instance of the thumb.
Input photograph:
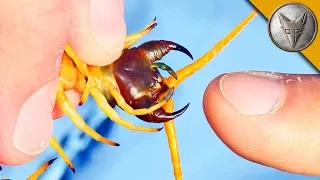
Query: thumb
(98, 31)
(268, 118)
(32, 38)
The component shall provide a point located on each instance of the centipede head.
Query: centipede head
(140, 81)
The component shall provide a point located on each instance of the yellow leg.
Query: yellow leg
(86, 92)
(82, 67)
(133, 38)
(127, 108)
(201, 62)
(182, 75)
(39, 171)
(173, 142)
(56, 146)
(68, 109)
(113, 115)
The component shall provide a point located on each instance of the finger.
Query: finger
(268, 118)
(98, 31)
(74, 98)
(33, 36)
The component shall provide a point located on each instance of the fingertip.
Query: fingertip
(33, 128)
(98, 32)
(210, 100)
(283, 137)
(108, 26)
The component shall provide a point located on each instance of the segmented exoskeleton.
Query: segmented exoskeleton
(133, 83)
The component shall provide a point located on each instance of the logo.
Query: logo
(292, 27)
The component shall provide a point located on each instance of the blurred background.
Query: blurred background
(197, 25)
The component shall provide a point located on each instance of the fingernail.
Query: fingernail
(252, 95)
(34, 125)
(107, 20)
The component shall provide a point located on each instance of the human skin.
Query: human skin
(268, 118)
(246, 114)
(33, 34)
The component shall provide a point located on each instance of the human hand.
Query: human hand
(268, 118)
(33, 35)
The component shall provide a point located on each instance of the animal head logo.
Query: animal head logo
(291, 28)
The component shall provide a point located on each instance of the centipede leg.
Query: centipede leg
(86, 92)
(133, 38)
(56, 146)
(185, 72)
(68, 109)
(113, 115)
(202, 61)
(81, 66)
(127, 108)
(40, 171)
(173, 142)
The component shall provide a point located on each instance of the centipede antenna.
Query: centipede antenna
(215, 50)
(183, 74)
